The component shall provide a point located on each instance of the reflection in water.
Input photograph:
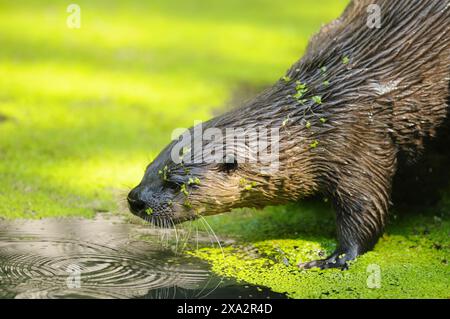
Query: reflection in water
(101, 258)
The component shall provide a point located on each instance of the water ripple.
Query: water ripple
(76, 258)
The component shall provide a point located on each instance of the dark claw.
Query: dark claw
(336, 260)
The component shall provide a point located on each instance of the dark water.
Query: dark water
(105, 258)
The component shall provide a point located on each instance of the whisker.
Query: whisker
(161, 233)
(187, 236)
(196, 229)
(176, 234)
(223, 254)
(165, 234)
(214, 235)
(210, 235)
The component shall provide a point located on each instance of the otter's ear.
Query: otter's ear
(229, 164)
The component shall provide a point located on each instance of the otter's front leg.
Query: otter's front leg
(359, 226)
(361, 198)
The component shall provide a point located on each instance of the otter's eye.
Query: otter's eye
(172, 185)
(230, 164)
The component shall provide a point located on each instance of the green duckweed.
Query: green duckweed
(314, 144)
(317, 99)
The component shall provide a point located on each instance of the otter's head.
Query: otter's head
(202, 175)
(209, 176)
(255, 156)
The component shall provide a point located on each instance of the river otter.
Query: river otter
(361, 96)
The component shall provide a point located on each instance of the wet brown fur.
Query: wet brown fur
(386, 102)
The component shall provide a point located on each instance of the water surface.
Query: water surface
(105, 258)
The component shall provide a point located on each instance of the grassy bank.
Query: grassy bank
(84, 110)
(412, 257)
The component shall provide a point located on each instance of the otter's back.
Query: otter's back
(402, 69)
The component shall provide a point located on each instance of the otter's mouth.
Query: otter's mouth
(163, 220)
(159, 214)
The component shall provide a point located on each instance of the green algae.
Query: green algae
(43, 175)
(164, 173)
(76, 147)
(412, 256)
(285, 121)
(194, 181)
(301, 90)
(187, 204)
(317, 99)
(184, 190)
(314, 144)
(345, 60)
(246, 184)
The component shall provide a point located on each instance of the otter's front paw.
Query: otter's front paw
(336, 260)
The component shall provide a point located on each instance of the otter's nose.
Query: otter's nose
(135, 202)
